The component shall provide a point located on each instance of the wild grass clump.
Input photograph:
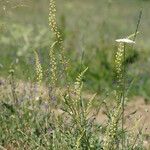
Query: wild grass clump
(70, 124)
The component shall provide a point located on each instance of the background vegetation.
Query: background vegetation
(89, 30)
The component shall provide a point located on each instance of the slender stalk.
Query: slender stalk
(123, 93)
(138, 23)
(13, 87)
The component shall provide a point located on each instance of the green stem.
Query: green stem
(123, 95)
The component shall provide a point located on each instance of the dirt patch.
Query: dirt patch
(137, 118)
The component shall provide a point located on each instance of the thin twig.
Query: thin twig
(138, 23)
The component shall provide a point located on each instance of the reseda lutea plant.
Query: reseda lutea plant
(75, 128)
(57, 48)
(79, 131)
(112, 139)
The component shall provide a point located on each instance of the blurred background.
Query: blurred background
(89, 29)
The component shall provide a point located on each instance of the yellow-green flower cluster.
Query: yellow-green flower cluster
(58, 37)
(38, 67)
(52, 21)
(53, 68)
(78, 83)
(120, 56)
(118, 63)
